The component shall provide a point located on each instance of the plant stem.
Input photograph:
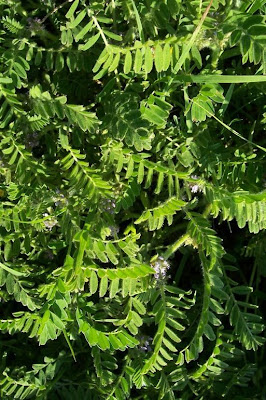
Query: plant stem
(174, 247)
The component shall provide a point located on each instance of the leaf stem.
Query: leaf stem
(100, 30)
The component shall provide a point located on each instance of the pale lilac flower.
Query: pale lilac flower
(195, 188)
(160, 266)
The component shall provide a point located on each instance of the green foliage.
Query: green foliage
(132, 199)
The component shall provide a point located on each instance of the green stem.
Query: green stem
(119, 378)
(138, 20)
(54, 10)
(174, 247)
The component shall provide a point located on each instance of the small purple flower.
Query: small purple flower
(195, 188)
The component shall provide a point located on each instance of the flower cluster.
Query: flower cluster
(49, 222)
(108, 205)
(160, 266)
(194, 187)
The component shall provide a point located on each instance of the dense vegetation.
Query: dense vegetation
(132, 199)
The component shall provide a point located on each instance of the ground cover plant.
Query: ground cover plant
(132, 199)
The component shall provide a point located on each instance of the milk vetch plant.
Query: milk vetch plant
(132, 199)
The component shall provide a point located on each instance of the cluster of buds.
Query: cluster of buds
(59, 199)
(49, 222)
(145, 343)
(32, 140)
(160, 266)
(108, 205)
(194, 187)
